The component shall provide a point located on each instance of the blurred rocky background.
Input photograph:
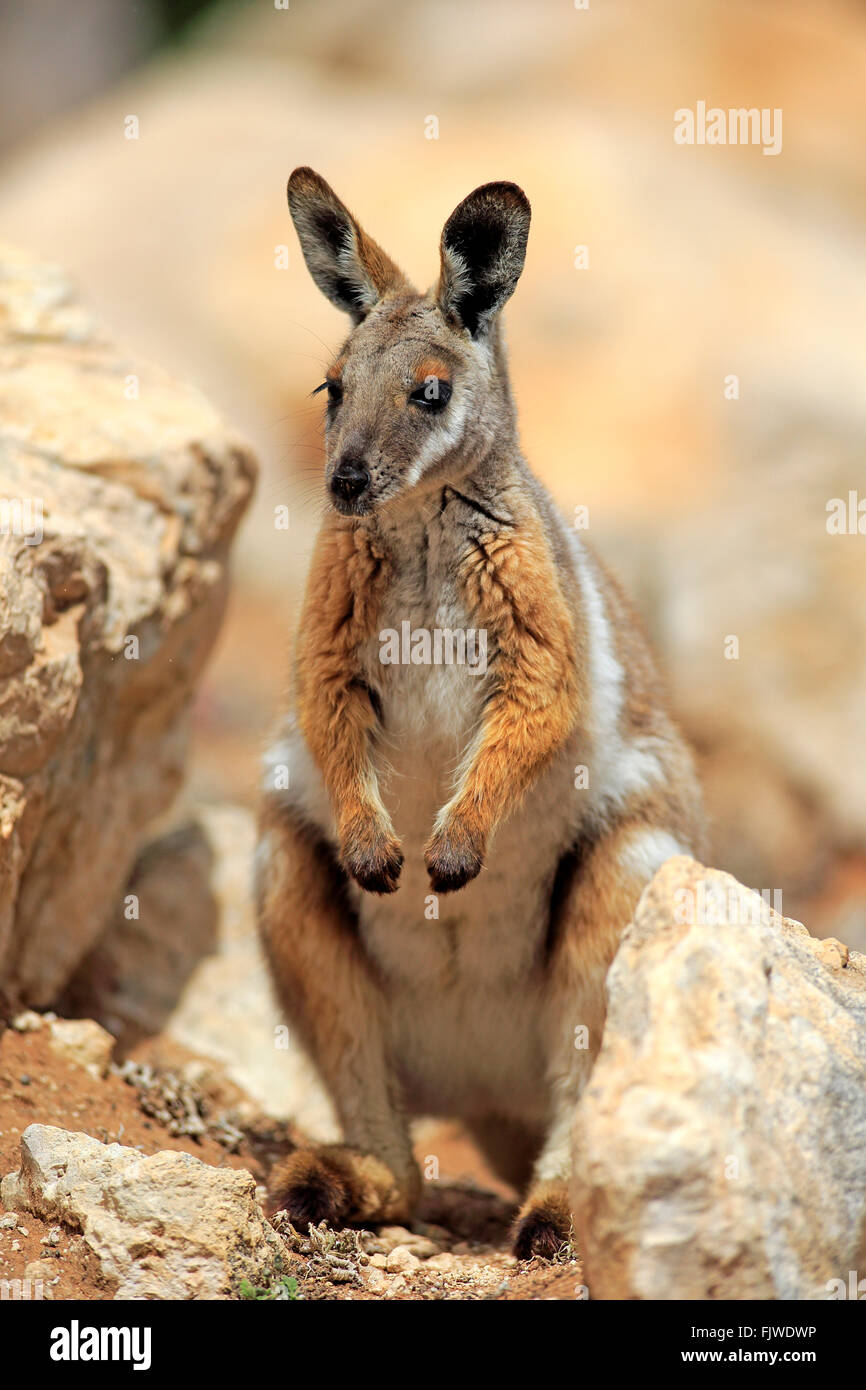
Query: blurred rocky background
(689, 360)
(702, 263)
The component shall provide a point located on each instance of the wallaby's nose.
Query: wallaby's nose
(350, 478)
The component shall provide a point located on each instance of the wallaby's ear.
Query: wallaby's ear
(347, 265)
(483, 248)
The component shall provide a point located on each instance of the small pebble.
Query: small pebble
(395, 1235)
(445, 1262)
(42, 1272)
(401, 1258)
(27, 1021)
(374, 1280)
(833, 953)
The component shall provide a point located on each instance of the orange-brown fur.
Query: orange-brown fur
(335, 713)
(512, 590)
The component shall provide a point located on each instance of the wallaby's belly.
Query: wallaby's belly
(462, 972)
(462, 987)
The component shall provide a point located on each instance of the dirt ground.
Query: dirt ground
(457, 1249)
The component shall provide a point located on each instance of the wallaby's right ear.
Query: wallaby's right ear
(482, 250)
(346, 264)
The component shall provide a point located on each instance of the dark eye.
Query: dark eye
(434, 395)
(334, 390)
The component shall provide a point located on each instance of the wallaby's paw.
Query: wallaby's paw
(544, 1224)
(311, 1186)
(339, 1185)
(453, 857)
(374, 862)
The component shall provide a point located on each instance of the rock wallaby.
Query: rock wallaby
(476, 775)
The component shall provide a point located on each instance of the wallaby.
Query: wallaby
(443, 884)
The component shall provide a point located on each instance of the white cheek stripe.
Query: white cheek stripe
(438, 445)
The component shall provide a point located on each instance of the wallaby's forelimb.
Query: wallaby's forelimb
(335, 711)
(511, 589)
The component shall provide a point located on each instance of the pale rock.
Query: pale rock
(423, 1247)
(83, 1042)
(833, 953)
(720, 1145)
(163, 1227)
(44, 1272)
(390, 1237)
(27, 1021)
(121, 490)
(401, 1259)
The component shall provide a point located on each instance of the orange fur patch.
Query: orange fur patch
(344, 590)
(511, 588)
(431, 366)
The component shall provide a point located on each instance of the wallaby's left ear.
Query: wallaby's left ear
(483, 248)
(346, 264)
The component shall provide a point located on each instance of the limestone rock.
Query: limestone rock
(720, 1146)
(42, 1275)
(163, 1227)
(84, 1042)
(401, 1260)
(27, 1021)
(120, 490)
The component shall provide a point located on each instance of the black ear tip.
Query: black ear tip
(492, 205)
(504, 192)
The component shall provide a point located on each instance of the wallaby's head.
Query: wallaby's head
(418, 392)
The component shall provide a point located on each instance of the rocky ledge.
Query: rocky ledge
(120, 491)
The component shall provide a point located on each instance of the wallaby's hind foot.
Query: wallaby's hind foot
(544, 1223)
(340, 1185)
